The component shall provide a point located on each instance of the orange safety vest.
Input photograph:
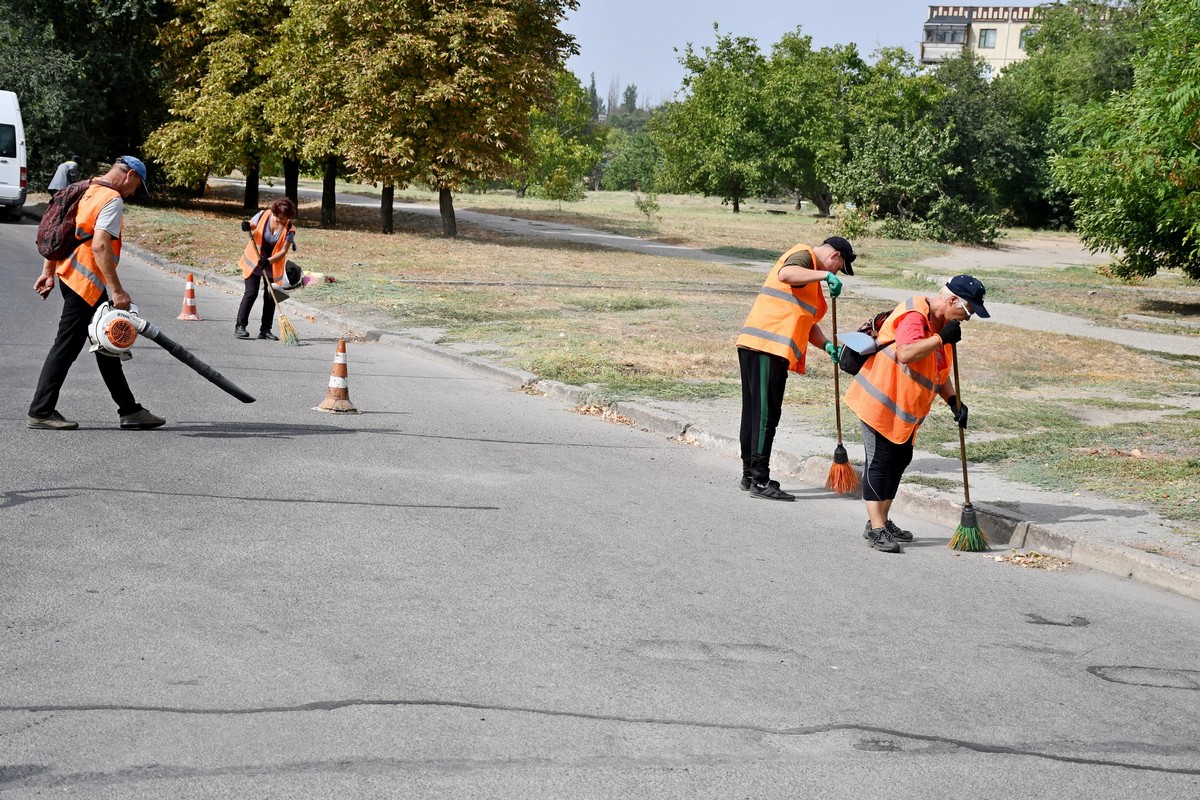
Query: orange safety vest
(782, 315)
(891, 397)
(250, 255)
(79, 270)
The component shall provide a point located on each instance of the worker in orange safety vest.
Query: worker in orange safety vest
(895, 388)
(87, 278)
(774, 341)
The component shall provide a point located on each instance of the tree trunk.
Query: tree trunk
(250, 198)
(329, 193)
(823, 200)
(446, 204)
(385, 206)
(737, 206)
(291, 180)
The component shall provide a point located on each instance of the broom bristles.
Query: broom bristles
(842, 479)
(969, 540)
(287, 332)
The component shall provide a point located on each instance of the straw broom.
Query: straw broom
(287, 331)
(842, 477)
(968, 537)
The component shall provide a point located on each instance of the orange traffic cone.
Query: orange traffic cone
(337, 399)
(189, 302)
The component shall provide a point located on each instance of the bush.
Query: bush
(897, 228)
(951, 220)
(854, 223)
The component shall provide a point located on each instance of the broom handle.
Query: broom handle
(837, 391)
(962, 439)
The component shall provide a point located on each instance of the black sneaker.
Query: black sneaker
(898, 533)
(770, 491)
(881, 539)
(54, 422)
(268, 335)
(240, 332)
(141, 421)
(747, 481)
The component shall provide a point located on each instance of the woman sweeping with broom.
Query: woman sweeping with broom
(894, 391)
(271, 233)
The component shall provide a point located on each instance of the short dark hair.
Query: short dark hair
(284, 207)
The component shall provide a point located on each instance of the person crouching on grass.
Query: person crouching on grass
(774, 340)
(894, 391)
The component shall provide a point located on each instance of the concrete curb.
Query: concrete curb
(915, 500)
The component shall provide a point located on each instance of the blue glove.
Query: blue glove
(835, 284)
(959, 410)
(834, 352)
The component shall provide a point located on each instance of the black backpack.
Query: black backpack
(851, 361)
(56, 237)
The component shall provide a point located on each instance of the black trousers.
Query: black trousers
(72, 335)
(886, 462)
(764, 378)
(268, 313)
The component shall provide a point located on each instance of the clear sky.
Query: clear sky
(632, 41)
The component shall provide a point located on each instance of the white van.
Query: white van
(13, 167)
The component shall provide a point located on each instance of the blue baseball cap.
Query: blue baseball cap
(135, 164)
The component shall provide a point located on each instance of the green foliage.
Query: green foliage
(632, 161)
(896, 173)
(1134, 169)
(949, 219)
(804, 135)
(853, 223)
(648, 205)
(1079, 53)
(86, 74)
(565, 145)
(712, 140)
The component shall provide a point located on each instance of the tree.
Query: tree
(1134, 170)
(86, 73)
(411, 91)
(633, 159)
(564, 145)
(896, 173)
(712, 140)
(804, 127)
(1079, 53)
(629, 99)
(219, 119)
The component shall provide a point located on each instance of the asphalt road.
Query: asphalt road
(466, 591)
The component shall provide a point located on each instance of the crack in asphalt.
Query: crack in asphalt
(808, 730)
(13, 498)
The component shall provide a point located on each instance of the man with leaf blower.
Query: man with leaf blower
(774, 341)
(88, 277)
(894, 391)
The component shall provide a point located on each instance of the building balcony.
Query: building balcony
(931, 52)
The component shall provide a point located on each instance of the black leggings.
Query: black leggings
(764, 377)
(72, 336)
(886, 462)
(268, 315)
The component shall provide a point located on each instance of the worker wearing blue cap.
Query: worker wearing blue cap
(87, 278)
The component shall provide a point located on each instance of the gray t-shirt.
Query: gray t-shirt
(110, 217)
(62, 175)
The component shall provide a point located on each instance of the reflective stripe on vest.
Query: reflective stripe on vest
(79, 271)
(782, 315)
(891, 397)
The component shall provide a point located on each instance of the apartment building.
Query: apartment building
(994, 33)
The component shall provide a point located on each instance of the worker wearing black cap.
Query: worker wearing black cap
(774, 341)
(895, 389)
